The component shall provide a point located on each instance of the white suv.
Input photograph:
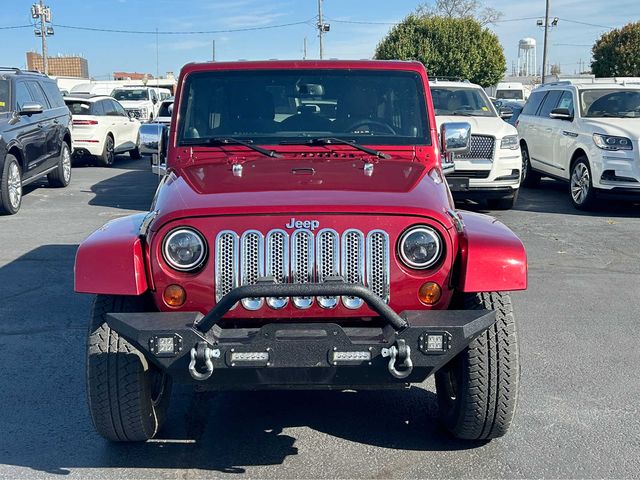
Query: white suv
(140, 102)
(585, 132)
(490, 171)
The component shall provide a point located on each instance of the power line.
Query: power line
(587, 24)
(193, 32)
(16, 26)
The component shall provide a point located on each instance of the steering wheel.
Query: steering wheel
(351, 128)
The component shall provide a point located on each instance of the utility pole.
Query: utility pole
(304, 49)
(43, 15)
(322, 28)
(545, 47)
(213, 50)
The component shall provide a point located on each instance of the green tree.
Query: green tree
(448, 47)
(617, 53)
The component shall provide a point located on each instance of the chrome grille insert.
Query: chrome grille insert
(251, 264)
(303, 257)
(226, 263)
(482, 146)
(327, 261)
(378, 263)
(302, 264)
(353, 263)
(277, 263)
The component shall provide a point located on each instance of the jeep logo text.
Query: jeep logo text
(310, 224)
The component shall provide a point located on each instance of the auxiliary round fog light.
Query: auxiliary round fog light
(174, 296)
(429, 293)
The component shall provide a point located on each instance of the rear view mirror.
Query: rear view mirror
(455, 137)
(506, 113)
(561, 114)
(31, 108)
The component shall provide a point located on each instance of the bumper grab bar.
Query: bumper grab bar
(332, 287)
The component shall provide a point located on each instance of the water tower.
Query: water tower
(527, 57)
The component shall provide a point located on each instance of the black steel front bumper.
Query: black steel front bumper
(193, 348)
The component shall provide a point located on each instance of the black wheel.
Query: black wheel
(108, 154)
(528, 177)
(61, 176)
(10, 186)
(128, 397)
(135, 153)
(505, 203)
(478, 389)
(583, 194)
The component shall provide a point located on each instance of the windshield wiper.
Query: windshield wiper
(233, 141)
(462, 114)
(333, 140)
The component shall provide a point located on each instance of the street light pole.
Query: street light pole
(43, 36)
(545, 47)
(320, 28)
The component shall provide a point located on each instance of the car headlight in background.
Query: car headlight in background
(611, 142)
(420, 247)
(184, 249)
(510, 142)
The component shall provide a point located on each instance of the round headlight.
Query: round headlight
(420, 247)
(184, 249)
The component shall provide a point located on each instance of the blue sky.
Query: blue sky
(108, 52)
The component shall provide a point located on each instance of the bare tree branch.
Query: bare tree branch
(460, 9)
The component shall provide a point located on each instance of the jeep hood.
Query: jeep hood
(320, 185)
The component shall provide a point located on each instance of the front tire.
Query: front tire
(478, 389)
(583, 195)
(61, 176)
(135, 153)
(10, 186)
(505, 203)
(528, 178)
(128, 396)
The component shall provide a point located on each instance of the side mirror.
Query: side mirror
(153, 142)
(170, 109)
(561, 114)
(455, 137)
(154, 100)
(31, 108)
(506, 113)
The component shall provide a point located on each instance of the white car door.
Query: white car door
(129, 128)
(528, 125)
(542, 156)
(565, 134)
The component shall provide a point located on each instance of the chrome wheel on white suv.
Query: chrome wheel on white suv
(581, 185)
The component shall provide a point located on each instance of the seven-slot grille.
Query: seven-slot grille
(302, 257)
(481, 147)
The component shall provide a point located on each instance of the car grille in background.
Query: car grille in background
(481, 147)
(302, 257)
(470, 174)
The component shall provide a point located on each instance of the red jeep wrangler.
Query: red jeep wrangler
(303, 236)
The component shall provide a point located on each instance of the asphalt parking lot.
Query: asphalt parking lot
(579, 334)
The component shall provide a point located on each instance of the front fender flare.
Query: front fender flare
(111, 260)
(491, 257)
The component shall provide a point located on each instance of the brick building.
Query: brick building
(131, 76)
(60, 66)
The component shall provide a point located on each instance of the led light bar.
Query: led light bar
(351, 356)
(249, 356)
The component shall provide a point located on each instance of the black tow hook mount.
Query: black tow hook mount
(399, 356)
(201, 366)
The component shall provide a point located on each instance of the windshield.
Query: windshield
(509, 95)
(4, 96)
(461, 101)
(140, 94)
(610, 103)
(374, 107)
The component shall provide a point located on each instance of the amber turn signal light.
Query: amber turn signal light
(429, 293)
(174, 296)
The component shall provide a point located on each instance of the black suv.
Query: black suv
(34, 135)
